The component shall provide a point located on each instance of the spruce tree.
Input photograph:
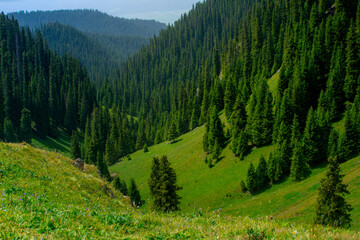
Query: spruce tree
(251, 179)
(261, 173)
(216, 131)
(333, 145)
(146, 149)
(299, 167)
(170, 199)
(9, 132)
(110, 150)
(352, 63)
(163, 187)
(75, 146)
(155, 184)
(102, 167)
(332, 208)
(120, 185)
(25, 126)
(271, 169)
(243, 187)
(172, 134)
(134, 194)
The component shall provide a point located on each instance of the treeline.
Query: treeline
(39, 89)
(91, 21)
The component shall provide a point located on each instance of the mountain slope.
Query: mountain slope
(92, 21)
(44, 196)
(98, 52)
(219, 186)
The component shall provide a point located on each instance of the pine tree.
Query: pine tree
(261, 173)
(333, 145)
(299, 168)
(172, 134)
(155, 184)
(9, 132)
(111, 155)
(352, 63)
(146, 149)
(295, 133)
(251, 179)
(348, 141)
(243, 187)
(134, 194)
(163, 187)
(240, 145)
(25, 126)
(216, 131)
(331, 208)
(102, 167)
(120, 185)
(75, 146)
(271, 169)
(170, 199)
(216, 151)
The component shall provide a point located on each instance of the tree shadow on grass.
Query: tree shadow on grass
(175, 141)
(61, 143)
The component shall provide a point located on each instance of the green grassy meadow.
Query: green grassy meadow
(43, 196)
(217, 188)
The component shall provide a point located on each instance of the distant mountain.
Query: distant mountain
(92, 21)
(98, 52)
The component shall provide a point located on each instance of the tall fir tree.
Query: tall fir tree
(9, 131)
(299, 167)
(75, 146)
(332, 208)
(25, 126)
(251, 179)
(134, 194)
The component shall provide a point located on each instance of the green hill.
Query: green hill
(43, 196)
(219, 187)
(92, 21)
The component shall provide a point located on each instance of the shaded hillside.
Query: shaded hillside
(44, 196)
(99, 53)
(92, 21)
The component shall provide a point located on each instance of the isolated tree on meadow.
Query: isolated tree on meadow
(163, 186)
(331, 208)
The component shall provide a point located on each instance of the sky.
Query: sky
(166, 11)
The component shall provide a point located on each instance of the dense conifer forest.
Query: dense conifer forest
(99, 53)
(40, 90)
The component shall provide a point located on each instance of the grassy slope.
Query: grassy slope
(44, 196)
(219, 187)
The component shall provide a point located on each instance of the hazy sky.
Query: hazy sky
(166, 11)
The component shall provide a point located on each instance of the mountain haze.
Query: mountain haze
(92, 21)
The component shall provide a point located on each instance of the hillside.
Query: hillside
(45, 196)
(219, 187)
(99, 53)
(91, 21)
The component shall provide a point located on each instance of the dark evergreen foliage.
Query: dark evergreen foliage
(25, 126)
(134, 194)
(332, 208)
(75, 146)
(163, 187)
(251, 179)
